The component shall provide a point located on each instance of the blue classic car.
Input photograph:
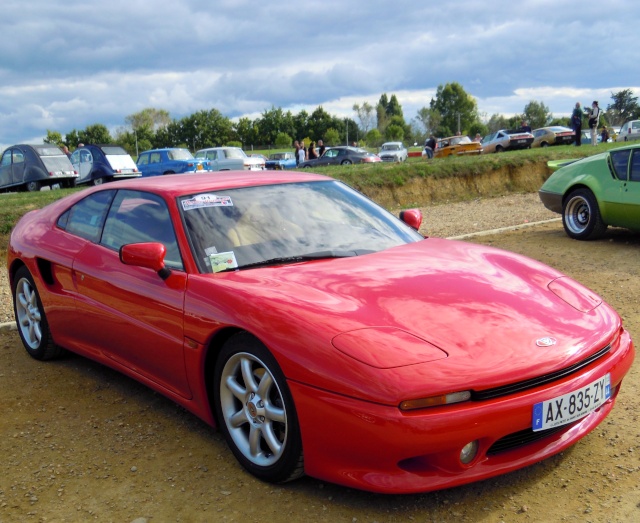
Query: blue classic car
(103, 163)
(281, 161)
(31, 167)
(170, 161)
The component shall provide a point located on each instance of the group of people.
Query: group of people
(303, 154)
(593, 114)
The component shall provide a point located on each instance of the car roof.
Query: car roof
(164, 149)
(177, 185)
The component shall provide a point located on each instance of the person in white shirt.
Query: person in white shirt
(594, 116)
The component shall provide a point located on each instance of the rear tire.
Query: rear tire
(31, 319)
(581, 216)
(32, 186)
(346, 162)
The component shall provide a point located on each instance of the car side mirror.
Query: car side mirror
(412, 217)
(150, 255)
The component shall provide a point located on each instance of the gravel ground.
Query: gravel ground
(80, 442)
(465, 218)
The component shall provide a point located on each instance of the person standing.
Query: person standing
(313, 155)
(301, 153)
(296, 146)
(321, 148)
(429, 146)
(576, 123)
(594, 117)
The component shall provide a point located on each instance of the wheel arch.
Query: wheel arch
(213, 348)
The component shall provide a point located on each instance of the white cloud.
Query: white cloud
(66, 65)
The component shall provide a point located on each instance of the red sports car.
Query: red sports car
(321, 334)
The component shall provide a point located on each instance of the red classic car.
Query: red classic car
(318, 332)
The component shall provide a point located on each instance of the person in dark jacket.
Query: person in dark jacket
(576, 123)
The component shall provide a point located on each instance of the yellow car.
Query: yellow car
(556, 135)
(456, 145)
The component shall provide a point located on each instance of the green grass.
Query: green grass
(14, 205)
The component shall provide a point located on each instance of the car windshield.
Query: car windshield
(180, 154)
(284, 223)
(113, 150)
(391, 147)
(234, 153)
(48, 151)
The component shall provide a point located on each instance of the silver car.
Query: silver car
(230, 159)
(629, 131)
(393, 152)
(506, 140)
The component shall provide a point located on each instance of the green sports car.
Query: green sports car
(596, 192)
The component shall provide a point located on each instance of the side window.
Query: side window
(18, 156)
(155, 158)
(86, 218)
(634, 172)
(138, 217)
(6, 159)
(620, 163)
(143, 159)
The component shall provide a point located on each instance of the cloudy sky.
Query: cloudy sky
(68, 64)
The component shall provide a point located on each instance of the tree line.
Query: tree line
(450, 111)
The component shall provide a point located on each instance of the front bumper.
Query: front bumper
(382, 449)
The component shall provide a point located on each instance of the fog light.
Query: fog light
(469, 452)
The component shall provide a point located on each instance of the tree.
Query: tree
(373, 138)
(381, 112)
(366, 115)
(430, 120)
(96, 133)
(536, 114)
(319, 121)
(332, 137)
(497, 122)
(301, 125)
(394, 108)
(624, 107)
(457, 109)
(150, 119)
(201, 129)
(275, 121)
(247, 131)
(53, 137)
(283, 141)
(394, 133)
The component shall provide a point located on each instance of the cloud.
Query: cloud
(66, 65)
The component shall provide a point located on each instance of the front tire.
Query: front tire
(346, 162)
(31, 319)
(255, 411)
(581, 216)
(97, 181)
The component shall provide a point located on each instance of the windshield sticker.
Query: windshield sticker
(206, 200)
(222, 261)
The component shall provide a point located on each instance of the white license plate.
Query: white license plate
(572, 406)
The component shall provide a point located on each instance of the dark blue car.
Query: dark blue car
(97, 164)
(170, 161)
(31, 167)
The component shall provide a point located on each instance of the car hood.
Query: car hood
(428, 316)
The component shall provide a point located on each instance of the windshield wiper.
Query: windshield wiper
(319, 255)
